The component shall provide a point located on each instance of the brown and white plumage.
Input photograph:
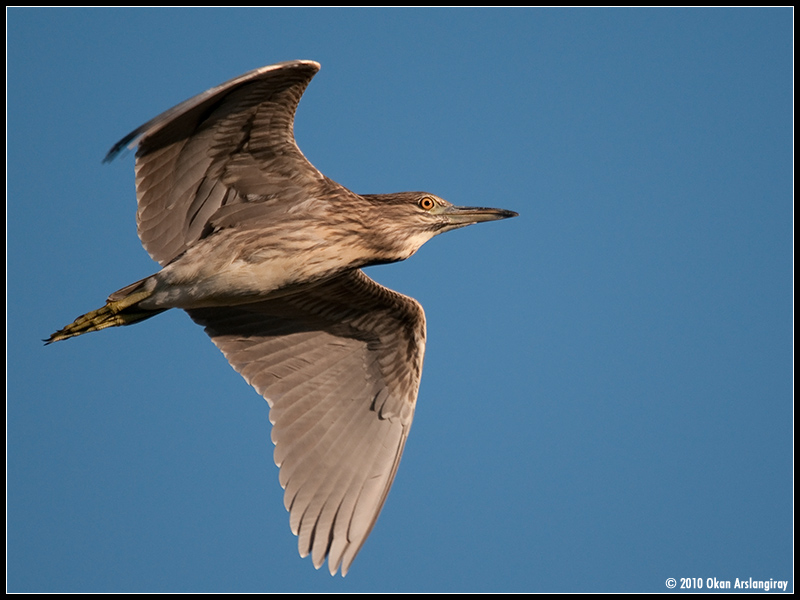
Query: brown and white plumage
(340, 366)
(265, 252)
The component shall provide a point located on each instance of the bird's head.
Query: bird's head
(401, 223)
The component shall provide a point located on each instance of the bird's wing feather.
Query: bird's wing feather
(340, 365)
(229, 145)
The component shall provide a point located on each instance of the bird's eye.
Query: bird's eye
(426, 203)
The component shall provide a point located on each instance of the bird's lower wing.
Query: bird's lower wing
(339, 364)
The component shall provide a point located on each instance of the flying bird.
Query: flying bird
(265, 252)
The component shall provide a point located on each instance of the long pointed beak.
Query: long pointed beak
(461, 216)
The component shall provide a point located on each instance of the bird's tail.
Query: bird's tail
(122, 308)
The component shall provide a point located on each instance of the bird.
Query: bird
(266, 253)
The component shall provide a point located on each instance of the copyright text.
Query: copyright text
(696, 583)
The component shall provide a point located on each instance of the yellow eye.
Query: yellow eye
(426, 203)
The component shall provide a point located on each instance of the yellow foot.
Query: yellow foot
(115, 313)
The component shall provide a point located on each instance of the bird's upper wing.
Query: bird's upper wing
(229, 145)
(340, 365)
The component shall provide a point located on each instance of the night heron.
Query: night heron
(265, 252)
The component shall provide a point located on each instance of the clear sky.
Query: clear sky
(607, 399)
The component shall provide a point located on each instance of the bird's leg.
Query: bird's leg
(122, 308)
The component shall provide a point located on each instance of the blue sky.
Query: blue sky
(607, 399)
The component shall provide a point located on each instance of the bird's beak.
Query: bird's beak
(461, 216)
